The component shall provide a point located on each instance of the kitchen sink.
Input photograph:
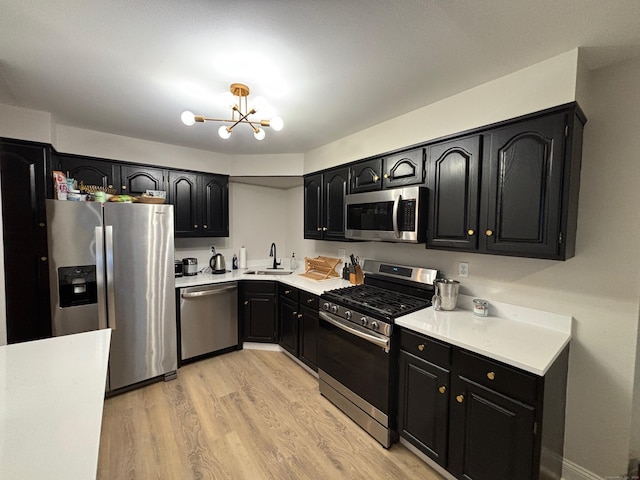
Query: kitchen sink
(268, 271)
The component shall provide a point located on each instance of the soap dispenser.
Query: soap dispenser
(293, 264)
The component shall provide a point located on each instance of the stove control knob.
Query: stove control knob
(364, 321)
(374, 325)
(347, 315)
(334, 309)
(325, 305)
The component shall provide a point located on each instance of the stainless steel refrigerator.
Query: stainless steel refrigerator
(112, 266)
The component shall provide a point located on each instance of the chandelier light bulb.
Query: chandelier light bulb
(188, 118)
(259, 134)
(276, 123)
(223, 132)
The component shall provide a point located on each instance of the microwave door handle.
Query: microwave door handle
(396, 205)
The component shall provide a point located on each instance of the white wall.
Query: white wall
(599, 287)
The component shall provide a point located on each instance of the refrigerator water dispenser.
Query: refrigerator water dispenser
(77, 285)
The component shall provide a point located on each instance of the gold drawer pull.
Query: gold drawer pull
(310, 300)
(299, 315)
(471, 231)
(421, 347)
(460, 398)
(489, 233)
(386, 175)
(246, 302)
(491, 375)
(287, 292)
(442, 389)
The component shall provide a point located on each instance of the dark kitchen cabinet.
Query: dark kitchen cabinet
(309, 326)
(200, 202)
(423, 410)
(137, 179)
(324, 201)
(89, 171)
(454, 188)
(503, 418)
(23, 174)
(403, 169)
(531, 181)
(366, 176)
(289, 317)
(258, 310)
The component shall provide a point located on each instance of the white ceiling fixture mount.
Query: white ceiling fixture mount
(237, 100)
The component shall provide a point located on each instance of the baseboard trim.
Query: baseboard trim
(271, 347)
(573, 471)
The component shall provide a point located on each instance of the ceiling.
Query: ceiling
(329, 67)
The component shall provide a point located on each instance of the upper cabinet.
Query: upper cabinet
(366, 176)
(201, 204)
(324, 201)
(402, 169)
(137, 179)
(454, 185)
(89, 171)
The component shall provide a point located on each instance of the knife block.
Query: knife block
(356, 278)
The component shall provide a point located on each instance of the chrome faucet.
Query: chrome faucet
(272, 253)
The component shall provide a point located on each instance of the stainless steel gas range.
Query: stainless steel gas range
(358, 344)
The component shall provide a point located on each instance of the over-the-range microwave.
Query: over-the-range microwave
(394, 215)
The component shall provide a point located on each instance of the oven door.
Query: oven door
(357, 359)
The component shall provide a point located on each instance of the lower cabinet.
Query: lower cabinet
(299, 322)
(258, 310)
(478, 418)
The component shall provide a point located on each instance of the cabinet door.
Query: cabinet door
(215, 205)
(491, 435)
(454, 169)
(366, 176)
(22, 173)
(89, 171)
(259, 317)
(523, 182)
(313, 211)
(309, 325)
(423, 413)
(136, 180)
(288, 313)
(183, 195)
(404, 169)
(335, 191)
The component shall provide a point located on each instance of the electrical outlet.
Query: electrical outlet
(212, 248)
(463, 269)
(342, 252)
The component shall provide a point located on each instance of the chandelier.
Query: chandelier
(236, 99)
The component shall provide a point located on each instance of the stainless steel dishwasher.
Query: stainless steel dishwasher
(208, 319)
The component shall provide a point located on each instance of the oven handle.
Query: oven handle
(396, 203)
(377, 340)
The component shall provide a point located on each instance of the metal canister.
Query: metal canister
(480, 307)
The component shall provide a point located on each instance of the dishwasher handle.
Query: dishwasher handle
(204, 293)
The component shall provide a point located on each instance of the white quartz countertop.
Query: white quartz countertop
(313, 286)
(51, 401)
(526, 338)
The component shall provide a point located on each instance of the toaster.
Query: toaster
(189, 266)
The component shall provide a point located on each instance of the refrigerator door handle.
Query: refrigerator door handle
(111, 298)
(102, 306)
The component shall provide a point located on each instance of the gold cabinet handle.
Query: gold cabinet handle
(299, 315)
(491, 375)
(386, 175)
(376, 178)
(246, 302)
(195, 226)
(460, 398)
(319, 229)
(41, 224)
(324, 229)
(489, 233)
(287, 292)
(124, 187)
(295, 314)
(421, 347)
(442, 389)
(44, 259)
(204, 226)
(471, 231)
(309, 300)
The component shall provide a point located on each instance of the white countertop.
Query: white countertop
(51, 400)
(522, 337)
(314, 286)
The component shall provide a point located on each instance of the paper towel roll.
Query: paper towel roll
(243, 257)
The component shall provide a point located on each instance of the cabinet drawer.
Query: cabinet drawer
(496, 376)
(259, 286)
(425, 348)
(309, 300)
(288, 292)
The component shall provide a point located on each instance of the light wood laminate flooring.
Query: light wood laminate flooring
(249, 414)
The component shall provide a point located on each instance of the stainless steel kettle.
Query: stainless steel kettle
(217, 264)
